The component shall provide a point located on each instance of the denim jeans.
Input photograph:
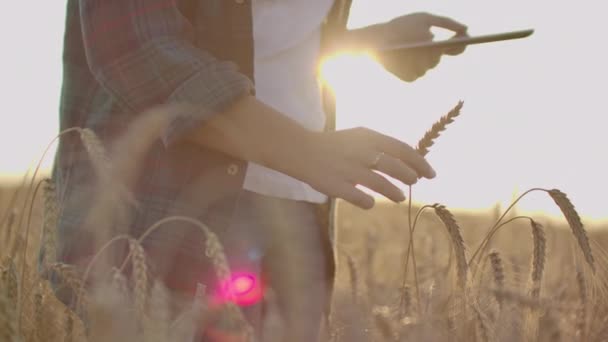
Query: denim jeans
(286, 245)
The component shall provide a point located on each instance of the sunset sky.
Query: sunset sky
(534, 113)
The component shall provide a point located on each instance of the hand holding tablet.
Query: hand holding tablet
(405, 46)
(457, 41)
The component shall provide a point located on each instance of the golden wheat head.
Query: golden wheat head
(140, 279)
(538, 259)
(429, 137)
(575, 223)
(457, 242)
(49, 225)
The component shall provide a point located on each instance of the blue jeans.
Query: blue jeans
(285, 243)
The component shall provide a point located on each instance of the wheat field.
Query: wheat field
(407, 272)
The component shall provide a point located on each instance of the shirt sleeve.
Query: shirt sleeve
(142, 52)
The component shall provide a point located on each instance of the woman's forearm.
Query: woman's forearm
(334, 163)
(253, 131)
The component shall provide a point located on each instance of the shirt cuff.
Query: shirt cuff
(207, 93)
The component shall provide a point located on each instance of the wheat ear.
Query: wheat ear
(215, 252)
(68, 334)
(498, 271)
(36, 333)
(531, 319)
(457, 242)
(575, 223)
(49, 227)
(140, 279)
(69, 278)
(10, 281)
(8, 328)
(8, 300)
(538, 259)
(429, 137)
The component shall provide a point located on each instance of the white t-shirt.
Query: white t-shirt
(287, 36)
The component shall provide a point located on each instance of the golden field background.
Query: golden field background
(367, 300)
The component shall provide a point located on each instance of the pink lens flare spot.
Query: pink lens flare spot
(243, 288)
(243, 284)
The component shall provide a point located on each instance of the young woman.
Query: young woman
(251, 156)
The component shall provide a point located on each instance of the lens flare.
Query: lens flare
(243, 288)
(243, 285)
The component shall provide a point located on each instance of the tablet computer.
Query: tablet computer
(458, 41)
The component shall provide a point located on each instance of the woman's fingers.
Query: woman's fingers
(404, 152)
(397, 169)
(379, 184)
(445, 22)
(344, 159)
(458, 49)
(350, 193)
(425, 60)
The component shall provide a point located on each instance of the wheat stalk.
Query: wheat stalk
(575, 223)
(156, 328)
(354, 279)
(429, 297)
(581, 314)
(457, 242)
(189, 322)
(406, 307)
(199, 305)
(120, 283)
(482, 327)
(429, 137)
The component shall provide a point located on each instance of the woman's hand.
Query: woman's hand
(410, 65)
(334, 163)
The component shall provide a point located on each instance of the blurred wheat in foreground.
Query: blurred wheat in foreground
(415, 273)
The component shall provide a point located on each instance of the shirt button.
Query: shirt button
(233, 169)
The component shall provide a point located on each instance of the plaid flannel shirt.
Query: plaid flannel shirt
(122, 57)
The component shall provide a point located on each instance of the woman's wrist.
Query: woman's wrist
(296, 155)
(253, 131)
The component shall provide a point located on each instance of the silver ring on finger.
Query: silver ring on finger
(377, 160)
